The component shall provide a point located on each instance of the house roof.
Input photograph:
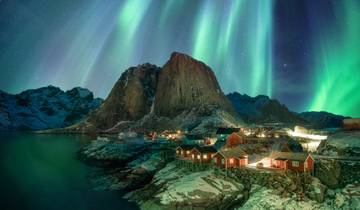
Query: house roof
(187, 147)
(227, 130)
(232, 152)
(289, 156)
(206, 149)
(194, 136)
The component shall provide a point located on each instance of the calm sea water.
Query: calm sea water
(41, 172)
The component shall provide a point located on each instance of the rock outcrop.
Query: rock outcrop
(175, 187)
(45, 108)
(262, 109)
(340, 165)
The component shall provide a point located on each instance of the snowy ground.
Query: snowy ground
(189, 187)
(263, 198)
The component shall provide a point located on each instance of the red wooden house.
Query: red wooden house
(234, 140)
(230, 158)
(202, 154)
(184, 151)
(298, 162)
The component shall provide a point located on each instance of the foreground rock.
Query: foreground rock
(175, 187)
(110, 154)
(123, 166)
(340, 164)
(347, 198)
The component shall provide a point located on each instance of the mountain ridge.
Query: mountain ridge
(45, 108)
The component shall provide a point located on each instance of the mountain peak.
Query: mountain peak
(186, 83)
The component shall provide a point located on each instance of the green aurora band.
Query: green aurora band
(337, 68)
(252, 41)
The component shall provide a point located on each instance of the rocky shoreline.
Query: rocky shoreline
(147, 174)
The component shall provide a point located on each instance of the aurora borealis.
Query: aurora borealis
(305, 53)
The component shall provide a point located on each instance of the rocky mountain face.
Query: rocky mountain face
(183, 94)
(262, 109)
(44, 108)
(185, 83)
(323, 119)
(130, 99)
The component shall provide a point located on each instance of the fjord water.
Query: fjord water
(42, 172)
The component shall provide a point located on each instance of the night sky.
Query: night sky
(304, 53)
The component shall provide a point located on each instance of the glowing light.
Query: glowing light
(306, 136)
(265, 161)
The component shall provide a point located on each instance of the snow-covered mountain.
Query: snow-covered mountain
(44, 108)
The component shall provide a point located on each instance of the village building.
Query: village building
(298, 162)
(223, 133)
(351, 124)
(203, 154)
(234, 140)
(229, 157)
(194, 139)
(184, 151)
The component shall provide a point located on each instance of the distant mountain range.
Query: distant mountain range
(183, 94)
(45, 108)
(262, 109)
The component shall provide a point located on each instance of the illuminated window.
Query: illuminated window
(198, 157)
(231, 160)
(205, 156)
(193, 156)
(182, 152)
(177, 151)
(295, 163)
(187, 152)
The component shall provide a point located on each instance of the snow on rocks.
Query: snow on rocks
(176, 187)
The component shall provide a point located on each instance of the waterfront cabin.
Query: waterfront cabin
(231, 158)
(297, 162)
(202, 154)
(184, 151)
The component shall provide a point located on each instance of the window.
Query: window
(177, 151)
(193, 156)
(295, 163)
(182, 152)
(198, 157)
(188, 152)
(222, 161)
(231, 160)
(205, 156)
(305, 164)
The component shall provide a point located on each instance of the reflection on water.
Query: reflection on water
(41, 172)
